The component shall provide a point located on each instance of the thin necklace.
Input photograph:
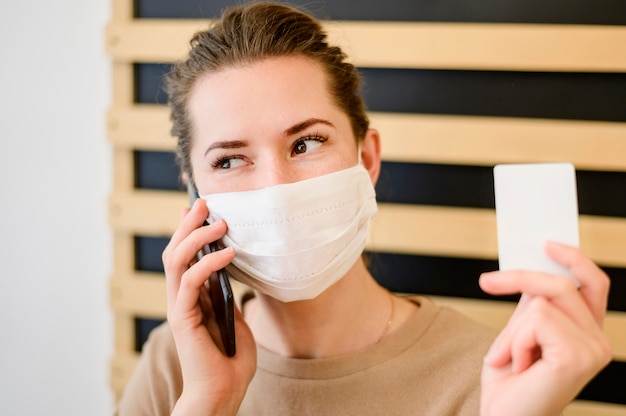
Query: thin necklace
(388, 324)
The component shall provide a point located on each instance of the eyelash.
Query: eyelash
(223, 159)
(315, 137)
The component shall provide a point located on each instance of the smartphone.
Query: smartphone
(220, 292)
(535, 202)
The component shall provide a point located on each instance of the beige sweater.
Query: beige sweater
(430, 366)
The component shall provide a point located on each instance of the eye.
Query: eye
(228, 162)
(307, 144)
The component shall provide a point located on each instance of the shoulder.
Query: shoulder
(451, 352)
(451, 341)
(446, 322)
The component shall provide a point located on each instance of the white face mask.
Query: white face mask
(292, 241)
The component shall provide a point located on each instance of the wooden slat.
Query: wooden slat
(123, 252)
(150, 40)
(124, 346)
(139, 294)
(483, 141)
(124, 332)
(588, 408)
(487, 141)
(434, 231)
(123, 169)
(123, 85)
(140, 127)
(151, 213)
(122, 10)
(615, 328)
(524, 47)
(483, 46)
(466, 232)
(398, 228)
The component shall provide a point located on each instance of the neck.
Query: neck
(351, 315)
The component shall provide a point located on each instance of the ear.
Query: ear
(370, 153)
(184, 177)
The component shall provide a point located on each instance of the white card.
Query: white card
(535, 203)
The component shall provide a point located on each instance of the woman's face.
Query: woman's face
(266, 123)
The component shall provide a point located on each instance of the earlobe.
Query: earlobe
(370, 153)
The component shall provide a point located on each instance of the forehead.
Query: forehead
(271, 90)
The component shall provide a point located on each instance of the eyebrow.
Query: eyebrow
(232, 144)
(297, 128)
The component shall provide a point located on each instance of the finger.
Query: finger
(189, 221)
(499, 353)
(179, 259)
(559, 290)
(525, 348)
(194, 219)
(186, 251)
(594, 283)
(193, 279)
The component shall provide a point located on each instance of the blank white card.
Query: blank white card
(535, 203)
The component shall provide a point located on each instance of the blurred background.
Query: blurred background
(55, 320)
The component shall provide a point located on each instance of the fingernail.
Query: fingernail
(487, 275)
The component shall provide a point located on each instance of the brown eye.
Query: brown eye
(307, 144)
(228, 162)
(300, 147)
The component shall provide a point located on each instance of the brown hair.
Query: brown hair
(251, 33)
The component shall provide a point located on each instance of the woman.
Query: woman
(272, 132)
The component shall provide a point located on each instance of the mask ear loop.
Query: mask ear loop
(359, 160)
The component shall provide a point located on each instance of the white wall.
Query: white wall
(55, 173)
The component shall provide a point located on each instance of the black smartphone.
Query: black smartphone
(220, 292)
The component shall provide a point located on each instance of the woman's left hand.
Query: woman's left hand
(554, 343)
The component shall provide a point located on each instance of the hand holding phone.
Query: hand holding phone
(220, 292)
(535, 203)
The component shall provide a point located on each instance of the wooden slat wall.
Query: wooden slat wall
(444, 139)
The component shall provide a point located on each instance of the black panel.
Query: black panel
(149, 83)
(514, 11)
(608, 385)
(584, 96)
(602, 193)
(431, 184)
(148, 253)
(429, 275)
(599, 193)
(449, 276)
(617, 300)
(156, 170)
(143, 327)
